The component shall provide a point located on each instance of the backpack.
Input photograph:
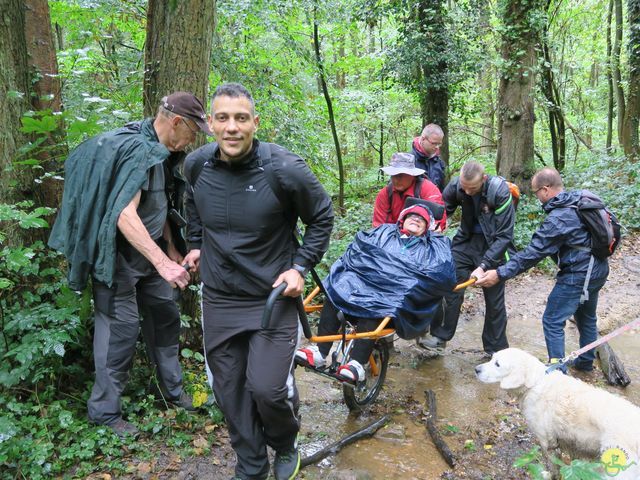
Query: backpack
(264, 162)
(416, 193)
(492, 191)
(600, 222)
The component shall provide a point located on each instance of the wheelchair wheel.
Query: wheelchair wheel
(359, 396)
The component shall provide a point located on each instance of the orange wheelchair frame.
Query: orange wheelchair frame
(357, 396)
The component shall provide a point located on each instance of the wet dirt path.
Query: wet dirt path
(470, 413)
(480, 423)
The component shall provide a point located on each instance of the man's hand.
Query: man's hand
(295, 283)
(174, 273)
(478, 273)
(193, 260)
(489, 279)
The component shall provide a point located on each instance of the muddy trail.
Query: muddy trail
(480, 423)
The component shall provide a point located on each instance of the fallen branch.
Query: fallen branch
(335, 447)
(612, 366)
(431, 415)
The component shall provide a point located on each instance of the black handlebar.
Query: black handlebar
(268, 308)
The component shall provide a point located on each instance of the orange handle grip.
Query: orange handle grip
(469, 282)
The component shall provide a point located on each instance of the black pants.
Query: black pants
(137, 288)
(467, 257)
(330, 324)
(253, 377)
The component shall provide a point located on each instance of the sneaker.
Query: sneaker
(286, 465)
(430, 342)
(310, 357)
(352, 372)
(124, 429)
(185, 401)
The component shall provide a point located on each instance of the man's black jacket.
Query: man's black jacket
(496, 216)
(244, 234)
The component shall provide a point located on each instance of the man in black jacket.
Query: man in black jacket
(563, 237)
(426, 149)
(242, 207)
(483, 241)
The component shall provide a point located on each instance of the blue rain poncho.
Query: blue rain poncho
(382, 274)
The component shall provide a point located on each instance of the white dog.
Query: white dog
(561, 410)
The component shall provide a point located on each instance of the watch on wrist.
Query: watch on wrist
(483, 266)
(300, 269)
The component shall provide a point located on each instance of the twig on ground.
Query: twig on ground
(612, 366)
(335, 447)
(431, 416)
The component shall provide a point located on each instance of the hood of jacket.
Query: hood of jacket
(562, 200)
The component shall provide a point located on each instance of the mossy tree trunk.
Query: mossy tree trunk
(523, 21)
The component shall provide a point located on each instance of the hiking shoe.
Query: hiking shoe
(286, 464)
(124, 429)
(310, 357)
(352, 372)
(430, 342)
(185, 401)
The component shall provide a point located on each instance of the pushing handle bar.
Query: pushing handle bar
(268, 308)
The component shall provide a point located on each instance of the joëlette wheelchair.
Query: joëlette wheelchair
(361, 394)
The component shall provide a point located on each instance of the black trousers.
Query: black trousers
(253, 378)
(468, 256)
(330, 324)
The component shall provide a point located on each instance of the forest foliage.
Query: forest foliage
(379, 61)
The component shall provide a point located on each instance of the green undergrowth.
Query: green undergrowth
(46, 375)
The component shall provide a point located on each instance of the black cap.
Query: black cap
(187, 105)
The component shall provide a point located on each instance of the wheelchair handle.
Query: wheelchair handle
(268, 309)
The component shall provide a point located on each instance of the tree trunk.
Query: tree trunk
(489, 113)
(549, 88)
(632, 111)
(617, 76)
(14, 101)
(47, 94)
(327, 98)
(177, 57)
(434, 92)
(515, 156)
(178, 49)
(611, 100)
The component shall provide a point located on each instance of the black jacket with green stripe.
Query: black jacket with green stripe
(495, 212)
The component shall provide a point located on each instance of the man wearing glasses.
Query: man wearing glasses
(426, 149)
(563, 237)
(119, 224)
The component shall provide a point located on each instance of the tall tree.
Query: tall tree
(177, 57)
(631, 122)
(550, 90)
(434, 94)
(14, 97)
(322, 79)
(522, 23)
(47, 95)
(617, 75)
(178, 49)
(610, 97)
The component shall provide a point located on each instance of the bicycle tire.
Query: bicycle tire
(358, 397)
